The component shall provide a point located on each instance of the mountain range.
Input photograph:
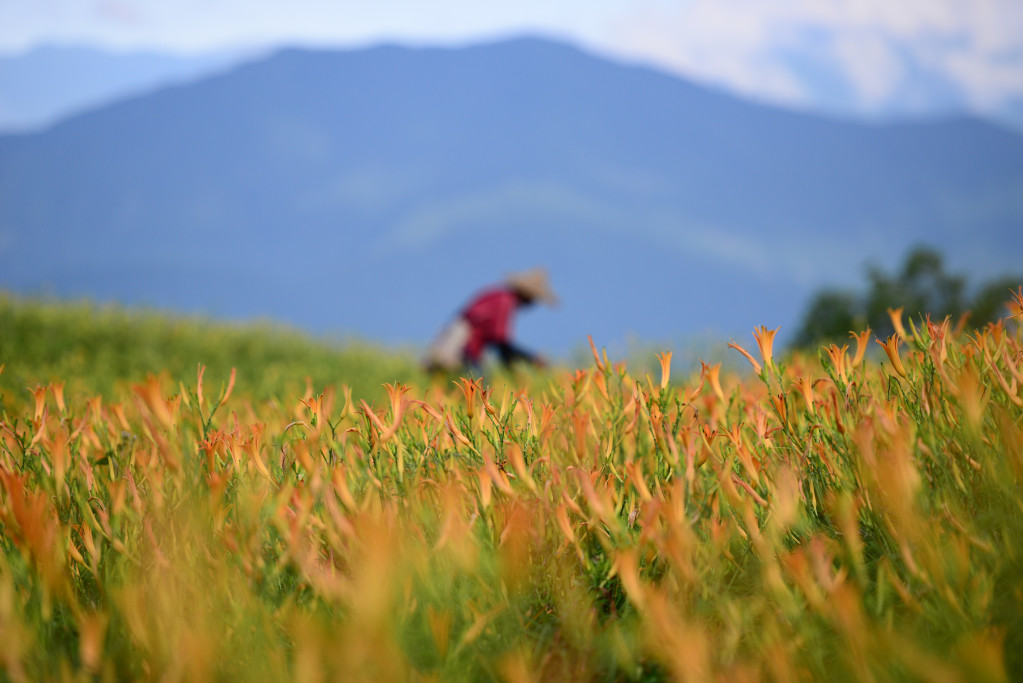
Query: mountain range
(371, 191)
(50, 83)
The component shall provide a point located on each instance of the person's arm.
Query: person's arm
(500, 333)
(510, 353)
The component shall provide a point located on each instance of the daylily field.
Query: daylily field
(854, 515)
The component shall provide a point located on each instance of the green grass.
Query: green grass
(102, 349)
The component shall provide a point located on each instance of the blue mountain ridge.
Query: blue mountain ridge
(52, 82)
(371, 191)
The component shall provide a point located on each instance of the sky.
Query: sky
(864, 57)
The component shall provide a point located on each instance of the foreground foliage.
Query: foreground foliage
(847, 519)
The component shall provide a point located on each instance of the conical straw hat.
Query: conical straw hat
(533, 283)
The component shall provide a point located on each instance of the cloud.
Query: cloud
(710, 40)
(196, 25)
(865, 56)
(871, 64)
(878, 49)
(117, 12)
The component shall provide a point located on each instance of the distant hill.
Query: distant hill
(370, 191)
(49, 83)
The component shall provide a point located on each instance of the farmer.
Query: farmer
(486, 321)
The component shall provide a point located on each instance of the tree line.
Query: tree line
(920, 286)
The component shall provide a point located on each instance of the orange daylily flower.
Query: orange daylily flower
(839, 356)
(896, 315)
(456, 433)
(398, 405)
(778, 401)
(198, 385)
(58, 395)
(230, 385)
(861, 347)
(153, 399)
(1015, 308)
(626, 566)
(561, 515)
(469, 389)
(315, 406)
(225, 393)
(665, 359)
(960, 326)
(765, 340)
(891, 347)
(40, 400)
(596, 356)
(713, 373)
(805, 387)
(396, 392)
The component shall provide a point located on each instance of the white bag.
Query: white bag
(445, 352)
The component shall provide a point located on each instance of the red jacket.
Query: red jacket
(490, 316)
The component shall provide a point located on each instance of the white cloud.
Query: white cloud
(992, 81)
(708, 40)
(874, 48)
(190, 25)
(870, 64)
(869, 44)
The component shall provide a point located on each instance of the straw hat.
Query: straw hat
(533, 284)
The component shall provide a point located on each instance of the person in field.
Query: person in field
(487, 321)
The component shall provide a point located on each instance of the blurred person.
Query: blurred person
(486, 322)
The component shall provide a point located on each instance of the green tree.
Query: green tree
(920, 287)
(830, 310)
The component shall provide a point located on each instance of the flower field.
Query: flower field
(853, 517)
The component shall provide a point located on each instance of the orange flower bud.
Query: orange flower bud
(665, 359)
(749, 357)
(765, 340)
(896, 315)
(891, 347)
